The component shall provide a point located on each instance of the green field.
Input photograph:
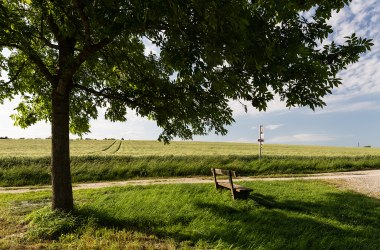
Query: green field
(41, 148)
(27, 162)
(277, 215)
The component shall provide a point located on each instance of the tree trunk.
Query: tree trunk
(60, 159)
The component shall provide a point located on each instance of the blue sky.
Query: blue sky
(352, 114)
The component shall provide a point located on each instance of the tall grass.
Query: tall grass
(35, 171)
(41, 148)
(277, 215)
(26, 162)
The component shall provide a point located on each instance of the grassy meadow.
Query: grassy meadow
(277, 215)
(26, 162)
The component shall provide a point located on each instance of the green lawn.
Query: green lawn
(278, 215)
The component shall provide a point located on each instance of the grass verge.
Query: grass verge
(278, 215)
(20, 171)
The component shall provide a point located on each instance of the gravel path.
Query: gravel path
(366, 182)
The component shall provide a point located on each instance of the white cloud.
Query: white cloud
(39, 130)
(273, 126)
(273, 106)
(302, 138)
(242, 140)
(362, 79)
(348, 107)
(135, 128)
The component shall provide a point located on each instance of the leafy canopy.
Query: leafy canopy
(211, 52)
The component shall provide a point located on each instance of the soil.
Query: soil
(366, 182)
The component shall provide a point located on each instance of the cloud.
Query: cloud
(273, 126)
(7, 128)
(362, 79)
(344, 107)
(299, 138)
(361, 17)
(275, 105)
(242, 140)
(135, 128)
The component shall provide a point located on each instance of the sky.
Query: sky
(351, 117)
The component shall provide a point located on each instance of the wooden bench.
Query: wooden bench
(237, 191)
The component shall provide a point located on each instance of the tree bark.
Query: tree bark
(60, 159)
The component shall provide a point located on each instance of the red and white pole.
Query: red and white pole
(261, 140)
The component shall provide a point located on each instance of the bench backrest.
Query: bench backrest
(218, 171)
(229, 173)
(237, 191)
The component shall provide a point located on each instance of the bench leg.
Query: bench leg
(214, 175)
(234, 194)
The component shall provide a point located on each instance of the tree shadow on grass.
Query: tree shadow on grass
(351, 208)
(342, 220)
(144, 225)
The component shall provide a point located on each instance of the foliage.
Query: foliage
(210, 52)
(278, 215)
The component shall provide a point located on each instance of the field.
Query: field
(277, 215)
(41, 148)
(26, 162)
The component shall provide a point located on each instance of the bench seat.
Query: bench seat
(237, 191)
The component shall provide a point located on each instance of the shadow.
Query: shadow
(340, 220)
(147, 226)
(263, 200)
(343, 221)
(342, 207)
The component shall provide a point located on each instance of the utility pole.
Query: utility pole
(261, 140)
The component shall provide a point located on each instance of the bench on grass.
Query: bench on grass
(237, 191)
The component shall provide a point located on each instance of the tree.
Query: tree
(70, 57)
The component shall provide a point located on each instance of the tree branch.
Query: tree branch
(15, 76)
(103, 94)
(33, 56)
(43, 38)
(84, 19)
(10, 45)
(46, 42)
(54, 28)
(88, 50)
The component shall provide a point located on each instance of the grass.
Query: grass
(278, 215)
(38, 148)
(24, 162)
(35, 171)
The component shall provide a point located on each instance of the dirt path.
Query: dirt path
(367, 182)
